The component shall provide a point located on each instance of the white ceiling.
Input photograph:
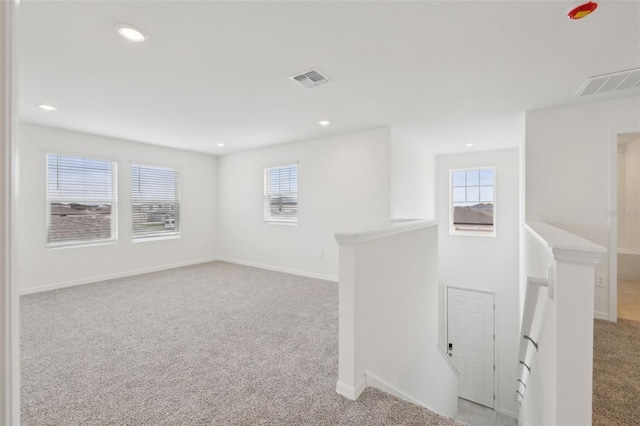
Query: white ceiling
(444, 73)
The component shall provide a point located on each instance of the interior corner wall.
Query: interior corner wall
(413, 179)
(569, 175)
(42, 268)
(488, 263)
(343, 186)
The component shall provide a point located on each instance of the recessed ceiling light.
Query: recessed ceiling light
(131, 33)
(220, 144)
(324, 123)
(468, 144)
(47, 107)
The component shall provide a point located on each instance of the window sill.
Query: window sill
(158, 238)
(80, 244)
(472, 233)
(277, 222)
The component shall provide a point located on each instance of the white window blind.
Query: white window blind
(81, 200)
(281, 194)
(155, 196)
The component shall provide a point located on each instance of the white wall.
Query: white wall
(41, 267)
(488, 263)
(389, 316)
(569, 170)
(413, 179)
(343, 184)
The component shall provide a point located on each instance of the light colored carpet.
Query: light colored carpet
(214, 343)
(616, 373)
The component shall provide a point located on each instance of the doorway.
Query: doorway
(628, 226)
(471, 342)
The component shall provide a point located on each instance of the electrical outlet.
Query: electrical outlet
(601, 280)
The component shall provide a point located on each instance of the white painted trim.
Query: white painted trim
(307, 274)
(447, 358)
(577, 256)
(452, 230)
(392, 229)
(378, 383)
(352, 392)
(9, 311)
(508, 413)
(495, 332)
(613, 224)
(613, 235)
(477, 290)
(156, 238)
(114, 276)
(565, 246)
(601, 315)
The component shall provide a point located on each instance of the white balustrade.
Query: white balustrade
(554, 384)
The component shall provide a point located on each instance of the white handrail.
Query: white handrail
(352, 238)
(563, 245)
(528, 342)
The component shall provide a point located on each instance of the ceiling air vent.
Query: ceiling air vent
(310, 79)
(613, 82)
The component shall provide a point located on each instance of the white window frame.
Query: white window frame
(266, 205)
(469, 230)
(161, 235)
(114, 203)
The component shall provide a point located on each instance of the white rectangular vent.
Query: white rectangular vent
(613, 82)
(310, 79)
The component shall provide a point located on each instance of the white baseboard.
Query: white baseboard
(601, 315)
(113, 276)
(352, 392)
(280, 269)
(375, 382)
(507, 413)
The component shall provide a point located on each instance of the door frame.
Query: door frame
(9, 289)
(613, 223)
(495, 330)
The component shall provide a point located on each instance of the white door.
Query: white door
(470, 343)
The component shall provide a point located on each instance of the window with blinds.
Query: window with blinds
(81, 200)
(281, 194)
(155, 196)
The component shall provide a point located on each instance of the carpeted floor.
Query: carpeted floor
(214, 343)
(616, 373)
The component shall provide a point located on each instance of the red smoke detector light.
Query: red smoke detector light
(583, 10)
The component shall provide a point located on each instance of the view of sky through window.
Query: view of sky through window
(76, 179)
(472, 187)
(472, 195)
